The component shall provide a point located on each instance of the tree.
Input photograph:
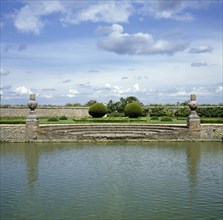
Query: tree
(90, 102)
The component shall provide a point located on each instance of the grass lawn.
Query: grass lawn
(141, 120)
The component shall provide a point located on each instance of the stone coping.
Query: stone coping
(119, 124)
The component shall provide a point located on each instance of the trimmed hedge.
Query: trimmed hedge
(182, 112)
(53, 119)
(116, 114)
(133, 110)
(166, 119)
(212, 120)
(154, 118)
(12, 121)
(98, 110)
(63, 118)
(210, 112)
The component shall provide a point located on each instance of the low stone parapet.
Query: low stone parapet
(111, 132)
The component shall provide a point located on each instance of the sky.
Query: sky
(74, 51)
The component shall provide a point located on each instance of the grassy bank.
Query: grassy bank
(141, 120)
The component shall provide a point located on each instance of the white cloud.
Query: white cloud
(50, 96)
(201, 49)
(219, 89)
(32, 17)
(136, 87)
(106, 11)
(72, 92)
(199, 63)
(175, 10)
(22, 90)
(29, 18)
(139, 43)
(4, 72)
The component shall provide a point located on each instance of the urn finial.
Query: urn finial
(32, 104)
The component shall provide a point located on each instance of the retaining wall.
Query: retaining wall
(45, 112)
(111, 132)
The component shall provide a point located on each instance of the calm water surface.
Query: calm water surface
(112, 181)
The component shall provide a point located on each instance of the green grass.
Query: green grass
(12, 120)
(212, 120)
(140, 120)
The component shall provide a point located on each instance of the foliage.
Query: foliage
(154, 118)
(182, 112)
(161, 111)
(12, 121)
(73, 105)
(116, 114)
(110, 120)
(63, 118)
(120, 105)
(133, 110)
(210, 112)
(212, 120)
(98, 110)
(53, 119)
(166, 119)
(90, 102)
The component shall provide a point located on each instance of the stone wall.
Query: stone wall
(45, 112)
(111, 132)
(13, 133)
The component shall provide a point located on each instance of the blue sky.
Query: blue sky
(75, 51)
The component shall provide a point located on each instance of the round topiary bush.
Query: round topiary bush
(63, 118)
(133, 110)
(98, 110)
(154, 118)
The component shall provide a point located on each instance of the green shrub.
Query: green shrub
(97, 110)
(154, 118)
(116, 114)
(212, 120)
(133, 110)
(53, 119)
(166, 119)
(182, 112)
(12, 121)
(210, 112)
(63, 118)
(181, 118)
(158, 111)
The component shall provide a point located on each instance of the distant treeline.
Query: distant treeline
(116, 109)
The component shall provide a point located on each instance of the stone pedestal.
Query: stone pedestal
(32, 122)
(193, 120)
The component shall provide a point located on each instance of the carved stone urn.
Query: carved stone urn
(32, 104)
(193, 103)
(193, 120)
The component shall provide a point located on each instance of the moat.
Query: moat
(112, 181)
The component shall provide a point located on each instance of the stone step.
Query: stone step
(109, 128)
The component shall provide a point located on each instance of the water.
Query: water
(112, 181)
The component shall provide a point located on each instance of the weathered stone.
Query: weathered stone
(69, 112)
(32, 123)
(193, 120)
(113, 132)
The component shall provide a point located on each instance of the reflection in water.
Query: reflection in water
(193, 158)
(32, 159)
(113, 181)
